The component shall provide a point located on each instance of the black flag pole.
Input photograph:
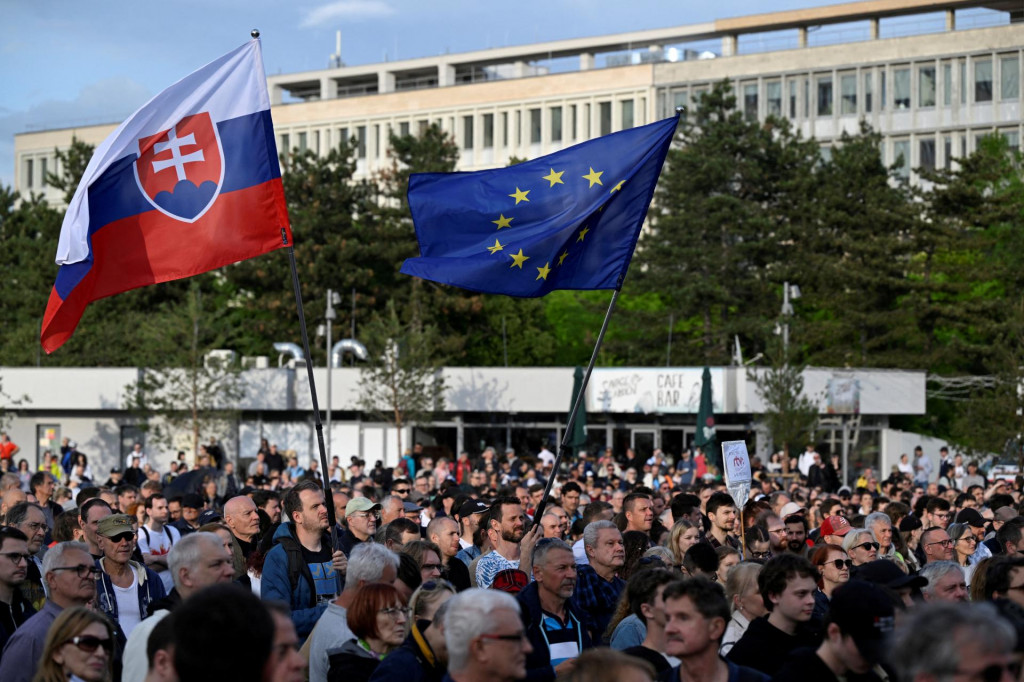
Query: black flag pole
(328, 497)
(564, 445)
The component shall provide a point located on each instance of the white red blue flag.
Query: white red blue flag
(189, 183)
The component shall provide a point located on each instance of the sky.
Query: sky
(65, 63)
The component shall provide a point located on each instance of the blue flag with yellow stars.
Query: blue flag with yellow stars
(569, 220)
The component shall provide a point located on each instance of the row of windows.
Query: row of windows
(922, 152)
(899, 87)
(570, 123)
(34, 172)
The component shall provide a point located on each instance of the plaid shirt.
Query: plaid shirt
(597, 598)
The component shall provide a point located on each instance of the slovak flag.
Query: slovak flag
(189, 183)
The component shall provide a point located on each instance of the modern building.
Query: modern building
(522, 408)
(933, 76)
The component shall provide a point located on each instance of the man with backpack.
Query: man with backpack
(301, 569)
(156, 538)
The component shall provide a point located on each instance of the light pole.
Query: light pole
(789, 292)
(333, 297)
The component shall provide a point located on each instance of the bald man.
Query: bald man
(241, 516)
(11, 497)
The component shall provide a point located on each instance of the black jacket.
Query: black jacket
(804, 664)
(764, 647)
(538, 663)
(347, 542)
(20, 610)
(408, 663)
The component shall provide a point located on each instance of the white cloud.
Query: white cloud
(107, 101)
(346, 10)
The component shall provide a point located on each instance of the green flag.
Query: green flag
(706, 438)
(578, 437)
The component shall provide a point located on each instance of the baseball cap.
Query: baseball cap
(209, 516)
(1004, 514)
(835, 525)
(865, 612)
(887, 574)
(360, 504)
(192, 501)
(411, 507)
(790, 508)
(510, 580)
(971, 517)
(115, 524)
(470, 507)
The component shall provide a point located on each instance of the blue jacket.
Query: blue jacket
(151, 589)
(538, 663)
(275, 582)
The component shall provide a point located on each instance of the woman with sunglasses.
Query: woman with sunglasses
(378, 620)
(860, 544)
(964, 544)
(79, 646)
(833, 570)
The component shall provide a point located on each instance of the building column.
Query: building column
(729, 43)
(950, 20)
(586, 61)
(328, 88)
(276, 94)
(801, 37)
(385, 81)
(874, 28)
(445, 75)
(519, 69)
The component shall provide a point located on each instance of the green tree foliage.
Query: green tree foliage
(401, 382)
(789, 415)
(721, 233)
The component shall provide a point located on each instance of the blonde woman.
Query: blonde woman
(744, 597)
(79, 646)
(684, 535)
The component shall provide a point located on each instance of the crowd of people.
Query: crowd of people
(632, 568)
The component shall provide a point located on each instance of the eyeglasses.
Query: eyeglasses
(761, 555)
(83, 570)
(394, 612)
(89, 643)
(36, 527)
(840, 563)
(16, 557)
(400, 491)
(364, 515)
(430, 567)
(867, 545)
(994, 672)
(122, 537)
(945, 543)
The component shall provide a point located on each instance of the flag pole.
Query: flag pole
(328, 497)
(564, 445)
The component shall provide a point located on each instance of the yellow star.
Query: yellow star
(583, 233)
(617, 187)
(554, 178)
(518, 259)
(520, 195)
(594, 177)
(542, 273)
(562, 257)
(496, 248)
(503, 221)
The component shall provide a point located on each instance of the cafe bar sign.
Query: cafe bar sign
(652, 391)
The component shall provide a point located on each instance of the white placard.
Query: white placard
(736, 462)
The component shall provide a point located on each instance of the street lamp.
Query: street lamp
(333, 298)
(789, 292)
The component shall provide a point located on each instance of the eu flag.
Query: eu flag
(569, 220)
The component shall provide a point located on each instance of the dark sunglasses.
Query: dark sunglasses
(89, 643)
(840, 563)
(401, 491)
(867, 545)
(121, 537)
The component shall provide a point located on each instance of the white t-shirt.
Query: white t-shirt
(159, 543)
(128, 615)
